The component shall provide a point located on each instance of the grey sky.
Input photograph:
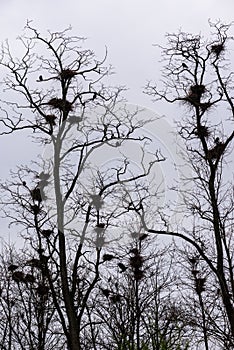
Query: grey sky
(127, 28)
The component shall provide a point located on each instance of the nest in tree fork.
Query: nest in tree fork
(215, 152)
(50, 119)
(200, 285)
(202, 131)
(138, 274)
(36, 194)
(136, 261)
(217, 49)
(18, 276)
(59, 103)
(205, 106)
(42, 290)
(195, 94)
(68, 74)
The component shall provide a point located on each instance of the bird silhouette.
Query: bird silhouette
(122, 267)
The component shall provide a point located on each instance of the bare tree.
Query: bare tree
(198, 75)
(68, 204)
(140, 310)
(28, 319)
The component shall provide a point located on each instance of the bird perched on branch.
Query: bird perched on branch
(122, 267)
(184, 65)
(144, 236)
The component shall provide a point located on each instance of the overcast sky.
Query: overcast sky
(128, 28)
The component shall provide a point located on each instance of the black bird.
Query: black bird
(142, 237)
(12, 267)
(122, 267)
(40, 77)
(106, 292)
(108, 257)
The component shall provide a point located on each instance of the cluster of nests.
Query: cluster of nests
(194, 98)
(135, 263)
(21, 277)
(37, 195)
(219, 147)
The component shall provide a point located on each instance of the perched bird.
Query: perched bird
(122, 267)
(40, 78)
(36, 194)
(46, 233)
(106, 292)
(108, 257)
(134, 251)
(12, 267)
(144, 236)
(217, 140)
(18, 276)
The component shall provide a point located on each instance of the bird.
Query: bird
(106, 292)
(12, 267)
(122, 267)
(144, 236)
(108, 257)
(40, 78)
(46, 233)
(217, 140)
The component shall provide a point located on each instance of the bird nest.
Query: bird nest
(195, 94)
(68, 74)
(202, 131)
(50, 119)
(136, 261)
(59, 103)
(217, 49)
(215, 152)
(205, 106)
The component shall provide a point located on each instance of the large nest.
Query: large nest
(202, 131)
(136, 261)
(36, 194)
(205, 106)
(200, 285)
(198, 89)
(18, 276)
(138, 274)
(50, 119)
(59, 103)
(195, 94)
(46, 233)
(68, 74)
(217, 49)
(215, 152)
(42, 290)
